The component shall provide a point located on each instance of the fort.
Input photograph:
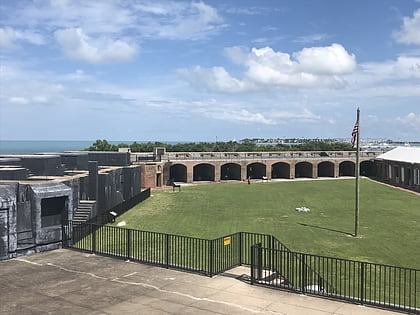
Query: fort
(189, 167)
(40, 191)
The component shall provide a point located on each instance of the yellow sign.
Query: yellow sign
(226, 241)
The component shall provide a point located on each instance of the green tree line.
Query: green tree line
(230, 146)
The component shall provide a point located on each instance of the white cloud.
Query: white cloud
(146, 19)
(333, 59)
(240, 116)
(303, 116)
(18, 100)
(215, 79)
(9, 37)
(79, 46)
(410, 30)
(266, 69)
(173, 20)
(412, 120)
(307, 39)
(401, 75)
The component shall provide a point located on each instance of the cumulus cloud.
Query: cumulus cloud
(410, 30)
(215, 79)
(79, 46)
(266, 68)
(326, 60)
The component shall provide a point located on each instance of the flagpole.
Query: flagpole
(357, 173)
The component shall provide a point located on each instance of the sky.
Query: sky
(209, 70)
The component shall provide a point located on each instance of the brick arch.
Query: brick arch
(204, 172)
(280, 170)
(256, 170)
(347, 168)
(326, 169)
(178, 173)
(304, 169)
(230, 171)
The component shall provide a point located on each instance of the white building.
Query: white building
(400, 167)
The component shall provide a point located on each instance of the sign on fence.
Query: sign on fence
(226, 240)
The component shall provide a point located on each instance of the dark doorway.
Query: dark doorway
(203, 172)
(230, 171)
(280, 170)
(368, 168)
(178, 173)
(52, 210)
(303, 169)
(347, 168)
(326, 169)
(256, 170)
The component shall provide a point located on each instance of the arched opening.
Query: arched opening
(280, 170)
(303, 169)
(347, 168)
(256, 170)
(230, 171)
(203, 172)
(326, 169)
(368, 168)
(178, 173)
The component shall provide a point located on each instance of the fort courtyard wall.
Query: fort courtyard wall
(53, 190)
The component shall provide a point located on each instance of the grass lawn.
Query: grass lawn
(389, 218)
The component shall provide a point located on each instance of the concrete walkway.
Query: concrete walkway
(71, 282)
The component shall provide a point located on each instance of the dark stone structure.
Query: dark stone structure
(38, 192)
(110, 158)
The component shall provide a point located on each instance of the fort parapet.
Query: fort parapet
(189, 167)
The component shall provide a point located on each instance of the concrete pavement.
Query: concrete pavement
(70, 282)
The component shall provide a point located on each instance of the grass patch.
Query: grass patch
(389, 218)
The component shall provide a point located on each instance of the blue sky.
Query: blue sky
(207, 70)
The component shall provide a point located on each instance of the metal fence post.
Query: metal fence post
(240, 248)
(129, 243)
(362, 282)
(272, 254)
(252, 264)
(93, 230)
(211, 255)
(303, 273)
(167, 250)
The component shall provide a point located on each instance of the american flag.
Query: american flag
(354, 134)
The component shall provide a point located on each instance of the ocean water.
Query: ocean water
(28, 147)
(38, 146)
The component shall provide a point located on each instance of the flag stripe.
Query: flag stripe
(354, 134)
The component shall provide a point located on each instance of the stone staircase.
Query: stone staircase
(84, 210)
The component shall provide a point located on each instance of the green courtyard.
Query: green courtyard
(389, 218)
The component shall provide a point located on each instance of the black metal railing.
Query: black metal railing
(272, 263)
(207, 256)
(356, 281)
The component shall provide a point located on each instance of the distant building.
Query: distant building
(400, 167)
